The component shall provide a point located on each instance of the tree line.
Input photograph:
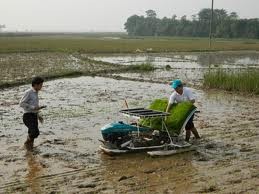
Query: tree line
(225, 25)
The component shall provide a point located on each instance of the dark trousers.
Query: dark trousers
(31, 121)
(189, 124)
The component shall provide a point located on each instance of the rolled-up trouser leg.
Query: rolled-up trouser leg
(189, 126)
(187, 135)
(195, 133)
(31, 121)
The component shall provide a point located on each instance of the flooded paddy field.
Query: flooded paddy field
(225, 59)
(18, 68)
(67, 159)
(189, 67)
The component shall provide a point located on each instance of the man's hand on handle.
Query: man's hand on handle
(40, 119)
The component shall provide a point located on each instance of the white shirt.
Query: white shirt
(30, 101)
(186, 96)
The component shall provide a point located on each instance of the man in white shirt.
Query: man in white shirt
(182, 94)
(30, 105)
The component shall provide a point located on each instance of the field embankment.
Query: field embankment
(18, 69)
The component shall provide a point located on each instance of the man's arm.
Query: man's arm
(170, 102)
(190, 96)
(192, 101)
(168, 107)
(24, 102)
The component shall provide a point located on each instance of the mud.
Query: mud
(249, 59)
(189, 67)
(67, 159)
(18, 68)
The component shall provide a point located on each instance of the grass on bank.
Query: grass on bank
(243, 81)
(143, 67)
(121, 44)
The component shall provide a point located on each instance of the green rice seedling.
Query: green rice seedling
(174, 122)
(243, 81)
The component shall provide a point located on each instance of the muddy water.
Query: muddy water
(67, 159)
(188, 60)
(185, 66)
(190, 76)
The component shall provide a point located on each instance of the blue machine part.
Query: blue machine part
(119, 128)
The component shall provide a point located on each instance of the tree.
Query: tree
(204, 14)
(220, 15)
(174, 17)
(150, 25)
(204, 22)
(163, 27)
(131, 25)
(151, 13)
(194, 17)
(233, 16)
(224, 25)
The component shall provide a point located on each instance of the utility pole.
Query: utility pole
(211, 21)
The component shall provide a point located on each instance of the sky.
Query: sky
(103, 15)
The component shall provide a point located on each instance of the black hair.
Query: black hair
(37, 80)
(181, 85)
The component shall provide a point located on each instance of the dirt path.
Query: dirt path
(67, 158)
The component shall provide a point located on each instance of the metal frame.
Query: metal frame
(144, 113)
(149, 113)
(186, 120)
(165, 149)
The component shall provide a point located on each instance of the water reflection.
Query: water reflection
(186, 60)
(35, 170)
(188, 67)
(190, 76)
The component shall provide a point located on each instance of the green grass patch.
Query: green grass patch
(141, 67)
(174, 122)
(244, 81)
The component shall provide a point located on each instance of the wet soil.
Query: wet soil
(18, 68)
(227, 59)
(189, 67)
(67, 159)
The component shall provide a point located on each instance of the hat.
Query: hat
(176, 83)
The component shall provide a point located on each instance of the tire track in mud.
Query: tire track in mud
(228, 153)
(157, 186)
(233, 167)
(23, 183)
